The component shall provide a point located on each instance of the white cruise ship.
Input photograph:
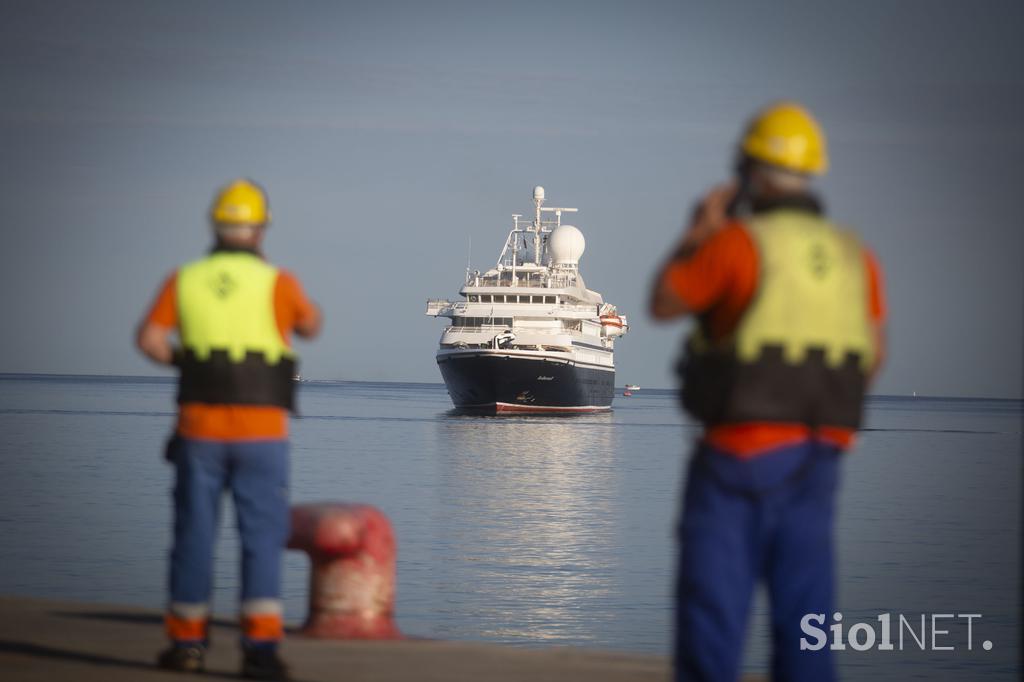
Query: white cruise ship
(527, 335)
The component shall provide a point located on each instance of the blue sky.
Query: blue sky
(390, 134)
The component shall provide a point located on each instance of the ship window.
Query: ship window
(472, 298)
(549, 299)
(499, 298)
(485, 298)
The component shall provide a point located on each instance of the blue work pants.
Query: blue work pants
(256, 473)
(767, 518)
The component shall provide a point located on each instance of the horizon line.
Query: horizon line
(9, 375)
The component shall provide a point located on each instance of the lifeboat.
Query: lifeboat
(612, 325)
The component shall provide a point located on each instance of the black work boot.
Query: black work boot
(185, 659)
(263, 663)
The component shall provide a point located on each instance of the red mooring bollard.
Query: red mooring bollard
(352, 579)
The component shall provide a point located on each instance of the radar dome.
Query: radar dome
(566, 245)
(538, 193)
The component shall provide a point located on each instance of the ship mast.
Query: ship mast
(538, 200)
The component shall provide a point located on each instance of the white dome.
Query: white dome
(566, 245)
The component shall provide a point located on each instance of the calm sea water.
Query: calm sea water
(530, 531)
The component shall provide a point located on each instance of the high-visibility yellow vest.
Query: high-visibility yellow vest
(803, 349)
(233, 352)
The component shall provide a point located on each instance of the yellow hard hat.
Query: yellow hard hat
(242, 202)
(786, 135)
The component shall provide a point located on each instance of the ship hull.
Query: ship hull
(498, 383)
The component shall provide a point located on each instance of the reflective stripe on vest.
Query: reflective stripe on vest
(233, 351)
(803, 348)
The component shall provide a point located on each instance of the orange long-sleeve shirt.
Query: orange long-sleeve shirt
(720, 279)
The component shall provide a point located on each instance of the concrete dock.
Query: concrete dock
(51, 640)
(42, 640)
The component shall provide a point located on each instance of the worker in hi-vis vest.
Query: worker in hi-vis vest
(789, 312)
(234, 314)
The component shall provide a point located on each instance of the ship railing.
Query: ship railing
(442, 306)
(530, 309)
(437, 306)
(505, 280)
(582, 308)
(477, 328)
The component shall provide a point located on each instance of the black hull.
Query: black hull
(493, 383)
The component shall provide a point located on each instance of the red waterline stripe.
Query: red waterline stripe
(510, 407)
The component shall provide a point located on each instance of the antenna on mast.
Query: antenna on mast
(538, 200)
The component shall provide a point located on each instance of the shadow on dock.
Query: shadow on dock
(77, 658)
(46, 640)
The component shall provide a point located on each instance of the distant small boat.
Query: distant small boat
(632, 387)
(296, 377)
(627, 393)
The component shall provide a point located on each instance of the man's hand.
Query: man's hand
(310, 326)
(154, 341)
(709, 216)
